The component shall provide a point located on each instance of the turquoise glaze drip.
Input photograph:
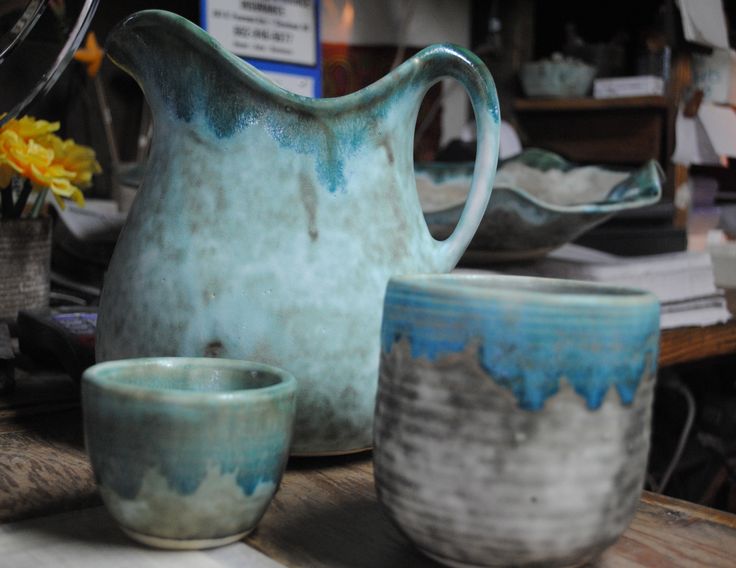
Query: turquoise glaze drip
(531, 351)
(263, 462)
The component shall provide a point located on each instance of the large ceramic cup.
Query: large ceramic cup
(513, 414)
(187, 453)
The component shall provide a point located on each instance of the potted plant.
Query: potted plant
(34, 163)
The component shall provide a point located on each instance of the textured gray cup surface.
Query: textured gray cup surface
(474, 467)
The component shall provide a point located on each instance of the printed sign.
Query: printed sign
(279, 37)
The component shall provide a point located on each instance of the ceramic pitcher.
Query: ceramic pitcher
(268, 224)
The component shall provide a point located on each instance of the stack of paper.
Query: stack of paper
(708, 138)
(683, 282)
(704, 22)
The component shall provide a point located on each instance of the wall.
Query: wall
(381, 23)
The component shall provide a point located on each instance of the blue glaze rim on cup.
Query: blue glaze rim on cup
(101, 376)
(473, 309)
(465, 285)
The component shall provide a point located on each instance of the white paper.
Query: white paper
(510, 144)
(692, 144)
(720, 125)
(90, 538)
(275, 30)
(707, 311)
(715, 75)
(698, 312)
(299, 84)
(704, 22)
(98, 221)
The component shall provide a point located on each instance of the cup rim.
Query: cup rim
(472, 285)
(97, 375)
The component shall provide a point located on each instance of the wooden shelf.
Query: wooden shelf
(622, 131)
(589, 103)
(685, 344)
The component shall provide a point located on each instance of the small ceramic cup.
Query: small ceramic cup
(513, 415)
(187, 452)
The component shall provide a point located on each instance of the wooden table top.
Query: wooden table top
(325, 513)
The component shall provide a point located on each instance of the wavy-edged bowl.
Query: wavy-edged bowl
(520, 224)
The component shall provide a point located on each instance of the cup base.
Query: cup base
(457, 564)
(330, 453)
(183, 544)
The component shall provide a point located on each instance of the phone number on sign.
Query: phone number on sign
(268, 35)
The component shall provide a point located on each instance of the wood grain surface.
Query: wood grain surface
(43, 467)
(326, 513)
(685, 344)
(668, 532)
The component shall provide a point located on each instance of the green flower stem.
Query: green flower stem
(38, 204)
(7, 202)
(20, 203)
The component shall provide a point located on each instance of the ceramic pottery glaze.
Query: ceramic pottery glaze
(268, 224)
(561, 202)
(187, 453)
(513, 415)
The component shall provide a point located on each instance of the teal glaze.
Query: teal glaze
(268, 224)
(208, 428)
(530, 333)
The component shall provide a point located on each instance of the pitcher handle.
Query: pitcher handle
(442, 61)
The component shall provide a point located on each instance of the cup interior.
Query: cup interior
(182, 375)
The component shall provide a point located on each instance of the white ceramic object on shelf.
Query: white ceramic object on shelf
(557, 77)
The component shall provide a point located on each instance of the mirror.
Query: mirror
(38, 38)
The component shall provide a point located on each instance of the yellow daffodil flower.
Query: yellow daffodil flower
(75, 158)
(28, 127)
(29, 148)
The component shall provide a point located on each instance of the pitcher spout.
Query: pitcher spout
(181, 74)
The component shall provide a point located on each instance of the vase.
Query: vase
(25, 265)
(268, 224)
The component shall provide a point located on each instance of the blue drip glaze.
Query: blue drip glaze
(526, 356)
(149, 448)
(230, 97)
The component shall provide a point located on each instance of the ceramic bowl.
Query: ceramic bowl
(187, 452)
(540, 201)
(513, 416)
(557, 78)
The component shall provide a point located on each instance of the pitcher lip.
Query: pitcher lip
(343, 102)
(552, 290)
